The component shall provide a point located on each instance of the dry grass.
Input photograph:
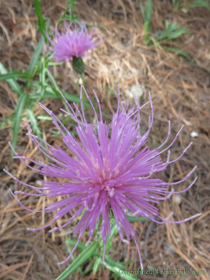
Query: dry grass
(180, 92)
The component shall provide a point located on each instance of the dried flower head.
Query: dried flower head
(112, 170)
(74, 42)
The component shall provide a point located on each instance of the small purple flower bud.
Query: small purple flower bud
(74, 42)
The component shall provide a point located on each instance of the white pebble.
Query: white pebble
(136, 90)
(194, 134)
(178, 198)
(39, 182)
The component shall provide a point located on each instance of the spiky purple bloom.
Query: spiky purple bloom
(113, 170)
(73, 42)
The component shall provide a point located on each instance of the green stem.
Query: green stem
(63, 15)
(83, 93)
(71, 4)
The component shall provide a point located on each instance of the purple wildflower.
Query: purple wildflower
(72, 42)
(112, 170)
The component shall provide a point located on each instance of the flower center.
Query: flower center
(109, 187)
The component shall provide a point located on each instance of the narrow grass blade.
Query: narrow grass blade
(73, 242)
(84, 256)
(167, 24)
(42, 79)
(41, 24)
(175, 3)
(147, 22)
(117, 268)
(34, 123)
(198, 3)
(113, 227)
(15, 75)
(183, 53)
(59, 134)
(148, 11)
(17, 118)
(14, 85)
(177, 33)
(134, 219)
(35, 56)
(96, 265)
(142, 8)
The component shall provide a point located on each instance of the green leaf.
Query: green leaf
(197, 4)
(42, 78)
(83, 256)
(73, 242)
(117, 269)
(14, 85)
(7, 121)
(59, 134)
(113, 263)
(47, 95)
(167, 24)
(175, 3)
(45, 118)
(170, 32)
(174, 26)
(114, 231)
(52, 63)
(147, 22)
(41, 24)
(183, 53)
(113, 228)
(134, 219)
(142, 8)
(71, 4)
(177, 33)
(35, 56)
(96, 265)
(17, 118)
(52, 80)
(68, 18)
(15, 75)
(34, 123)
(95, 26)
(148, 11)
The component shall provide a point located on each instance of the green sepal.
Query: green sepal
(78, 64)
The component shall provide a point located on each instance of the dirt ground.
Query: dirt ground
(180, 93)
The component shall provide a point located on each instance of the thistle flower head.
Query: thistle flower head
(112, 169)
(74, 42)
